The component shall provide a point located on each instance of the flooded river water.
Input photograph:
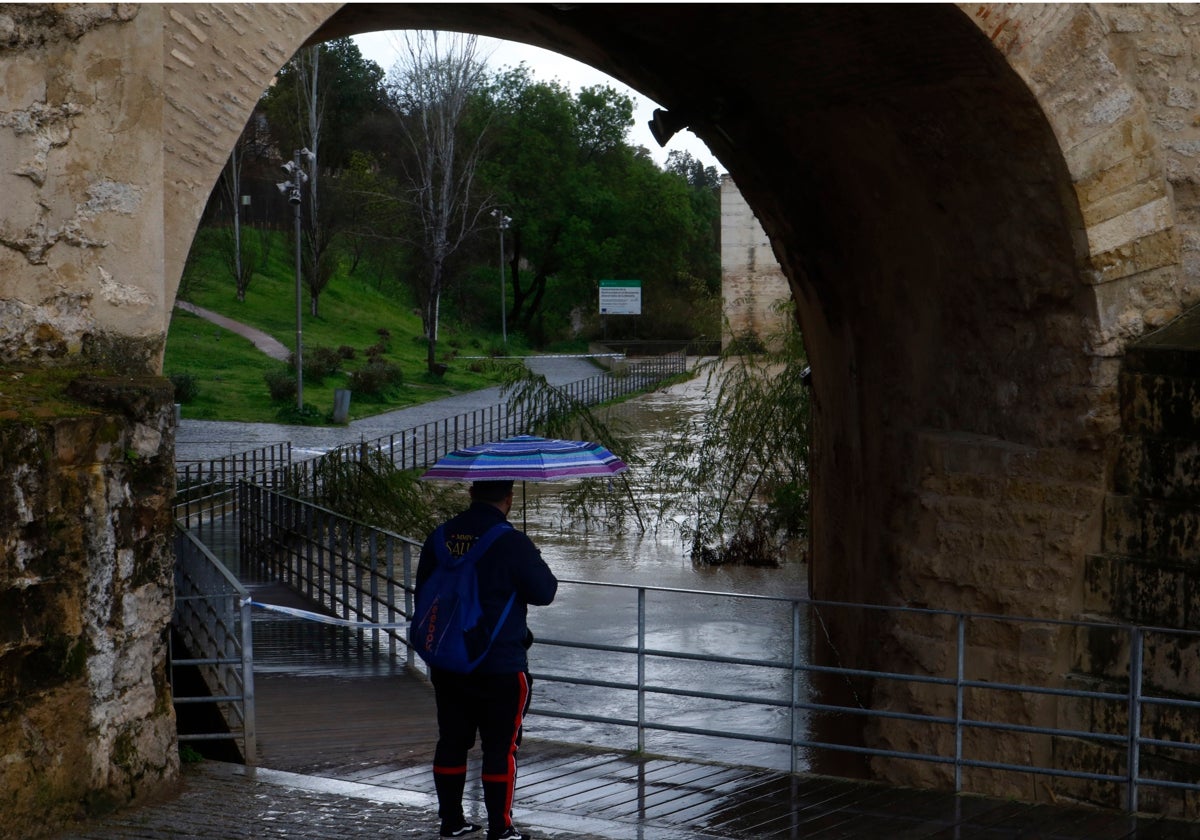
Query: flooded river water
(597, 607)
(722, 611)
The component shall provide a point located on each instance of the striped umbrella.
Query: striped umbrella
(527, 458)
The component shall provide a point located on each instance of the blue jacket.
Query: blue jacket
(512, 564)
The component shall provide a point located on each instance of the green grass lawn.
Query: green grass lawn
(230, 372)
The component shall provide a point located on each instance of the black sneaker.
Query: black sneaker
(462, 831)
(510, 833)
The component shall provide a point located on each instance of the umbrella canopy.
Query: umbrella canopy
(527, 458)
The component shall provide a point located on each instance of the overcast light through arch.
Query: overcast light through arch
(382, 48)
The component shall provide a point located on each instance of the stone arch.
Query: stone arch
(977, 207)
(930, 184)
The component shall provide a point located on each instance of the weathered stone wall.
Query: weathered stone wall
(81, 244)
(752, 283)
(86, 721)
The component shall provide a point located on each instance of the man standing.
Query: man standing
(491, 700)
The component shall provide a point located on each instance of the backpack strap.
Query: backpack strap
(474, 554)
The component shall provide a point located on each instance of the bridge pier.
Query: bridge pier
(86, 722)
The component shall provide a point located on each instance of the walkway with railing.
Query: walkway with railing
(621, 685)
(333, 703)
(212, 615)
(613, 668)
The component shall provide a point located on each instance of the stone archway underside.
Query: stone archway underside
(977, 206)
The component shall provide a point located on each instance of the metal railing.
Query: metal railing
(213, 622)
(631, 679)
(348, 569)
(204, 490)
(420, 446)
(207, 494)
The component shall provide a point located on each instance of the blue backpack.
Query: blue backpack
(447, 630)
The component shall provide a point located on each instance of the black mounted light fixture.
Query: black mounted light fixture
(665, 124)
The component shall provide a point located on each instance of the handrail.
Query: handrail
(336, 562)
(420, 446)
(213, 621)
(205, 488)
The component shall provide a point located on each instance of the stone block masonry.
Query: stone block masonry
(86, 721)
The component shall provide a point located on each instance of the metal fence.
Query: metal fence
(211, 602)
(631, 666)
(204, 490)
(419, 447)
(213, 622)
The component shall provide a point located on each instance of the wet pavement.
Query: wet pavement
(221, 801)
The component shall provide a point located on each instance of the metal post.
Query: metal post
(958, 702)
(299, 343)
(641, 670)
(409, 607)
(1135, 717)
(502, 222)
(249, 727)
(794, 721)
(503, 305)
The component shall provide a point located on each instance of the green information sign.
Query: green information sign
(620, 297)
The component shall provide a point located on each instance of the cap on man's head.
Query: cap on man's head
(491, 491)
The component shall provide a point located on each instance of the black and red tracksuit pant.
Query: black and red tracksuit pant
(494, 706)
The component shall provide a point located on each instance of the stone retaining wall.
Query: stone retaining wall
(86, 721)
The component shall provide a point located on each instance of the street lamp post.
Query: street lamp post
(503, 222)
(291, 188)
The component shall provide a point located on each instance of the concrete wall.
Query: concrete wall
(752, 283)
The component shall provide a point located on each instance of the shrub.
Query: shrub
(374, 378)
(281, 384)
(320, 362)
(187, 387)
(347, 352)
(384, 334)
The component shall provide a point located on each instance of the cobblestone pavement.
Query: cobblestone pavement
(220, 801)
(197, 440)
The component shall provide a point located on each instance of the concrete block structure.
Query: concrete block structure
(754, 290)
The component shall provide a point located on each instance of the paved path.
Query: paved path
(198, 440)
(203, 440)
(266, 343)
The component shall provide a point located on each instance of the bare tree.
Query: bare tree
(244, 254)
(318, 266)
(431, 88)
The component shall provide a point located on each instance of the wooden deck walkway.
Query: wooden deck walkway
(324, 710)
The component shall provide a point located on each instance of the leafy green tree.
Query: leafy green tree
(544, 165)
(587, 207)
(698, 176)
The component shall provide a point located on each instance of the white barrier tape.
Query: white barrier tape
(329, 619)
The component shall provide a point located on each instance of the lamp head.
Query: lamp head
(665, 124)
